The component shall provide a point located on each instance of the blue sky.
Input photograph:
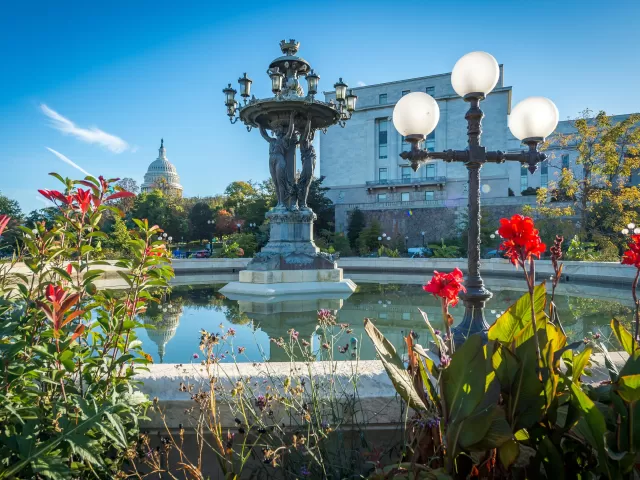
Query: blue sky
(138, 71)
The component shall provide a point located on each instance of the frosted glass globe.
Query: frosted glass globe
(475, 72)
(416, 113)
(533, 117)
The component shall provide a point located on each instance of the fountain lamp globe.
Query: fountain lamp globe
(533, 118)
(475, 73)
(416, 115)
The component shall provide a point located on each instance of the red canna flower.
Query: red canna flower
(83, 199)
(522, 239)
(446, 286)
(632, 256)
(4, 221)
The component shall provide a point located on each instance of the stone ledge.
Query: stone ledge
(291, 276)
(290, 290)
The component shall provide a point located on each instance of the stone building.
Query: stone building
(363, 169)
(162, 175)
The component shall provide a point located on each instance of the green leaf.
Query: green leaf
(508, 453)
(66, 358)
(551, 459)
(623, 336)
(436, 338)
(464, 380)
(629, 388)
(518, 315)
(392, 363)
(596, 426)
(580, 361)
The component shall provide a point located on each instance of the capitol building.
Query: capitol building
(162, 175)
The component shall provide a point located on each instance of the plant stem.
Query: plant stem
(530, 277)
(447, 327)
(637, 317)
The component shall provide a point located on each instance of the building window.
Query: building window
(404, 196)
(406, 146)
(404, 92)
(544, 174)
(382, 99)
(406, 174)
(381, 126)
(430, 170)
(430, 142)
(406, 315)
(524, 178)
(431, 91)
(382, 197)
(429, 195)
(565, 160)
(382, 175)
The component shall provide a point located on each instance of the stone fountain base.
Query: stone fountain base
(290, 264)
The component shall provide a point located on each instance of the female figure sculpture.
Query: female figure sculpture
(278, 147)
(308, 154)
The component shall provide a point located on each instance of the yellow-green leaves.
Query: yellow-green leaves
(629, 388)
(518, 316)
(623, 336)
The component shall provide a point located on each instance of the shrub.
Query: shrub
(69, 406)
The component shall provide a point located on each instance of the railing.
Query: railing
(408, 181)
(449, 203)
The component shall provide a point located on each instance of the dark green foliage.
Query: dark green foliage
(357, 223)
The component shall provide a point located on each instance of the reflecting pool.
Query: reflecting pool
(391, 301)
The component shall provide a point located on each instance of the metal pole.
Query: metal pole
(474, 299)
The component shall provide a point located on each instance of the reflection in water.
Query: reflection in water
(174, 324)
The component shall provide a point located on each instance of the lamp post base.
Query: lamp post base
(473, 320)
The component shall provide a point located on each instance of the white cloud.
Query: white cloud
(68, 161)
(90, 135)
(361, 83)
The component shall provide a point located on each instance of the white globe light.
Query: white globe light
(636, 230)
(631, 226)
(533, 117)
(416, 114)
(475, 72)
(625, 231)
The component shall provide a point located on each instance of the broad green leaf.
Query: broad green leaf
(508, 453)
(623, 336)
(506, 365)
(464, 380)
(551, 459)
(629, 388)
(526, 400)
(392, 363)
(596, 425)
(580, 361)
(518, 315)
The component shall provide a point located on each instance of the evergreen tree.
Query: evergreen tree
(357, 223)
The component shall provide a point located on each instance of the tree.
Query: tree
(321, 205)
(10, 207)
(608, 153)
(238, 194)
(11, 234)
(368, 238)
(129, 185)
(225, 223)
(199, 217)
(165, 211)
(119, 238)
(357, 223)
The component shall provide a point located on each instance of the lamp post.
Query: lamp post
(423, 234)
(416, 115)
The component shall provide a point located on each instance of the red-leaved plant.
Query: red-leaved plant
(69, 351)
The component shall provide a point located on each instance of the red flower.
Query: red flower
(632, 256)
(4, 221)
(83, 199)
(446, 285)
(522, 239)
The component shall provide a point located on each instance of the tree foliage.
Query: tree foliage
(357, 223)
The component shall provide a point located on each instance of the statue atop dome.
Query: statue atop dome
(162, 175)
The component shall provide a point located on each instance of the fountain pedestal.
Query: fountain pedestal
(290, 263)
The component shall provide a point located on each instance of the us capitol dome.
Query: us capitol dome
(162, 175)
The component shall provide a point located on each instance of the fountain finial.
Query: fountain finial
(289, 48)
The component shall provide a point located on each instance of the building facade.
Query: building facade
(362, 166)
(162, 175)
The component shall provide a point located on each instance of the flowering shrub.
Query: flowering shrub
(69, 407)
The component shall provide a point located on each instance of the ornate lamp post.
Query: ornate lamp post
(288, 120)
(417, 114)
